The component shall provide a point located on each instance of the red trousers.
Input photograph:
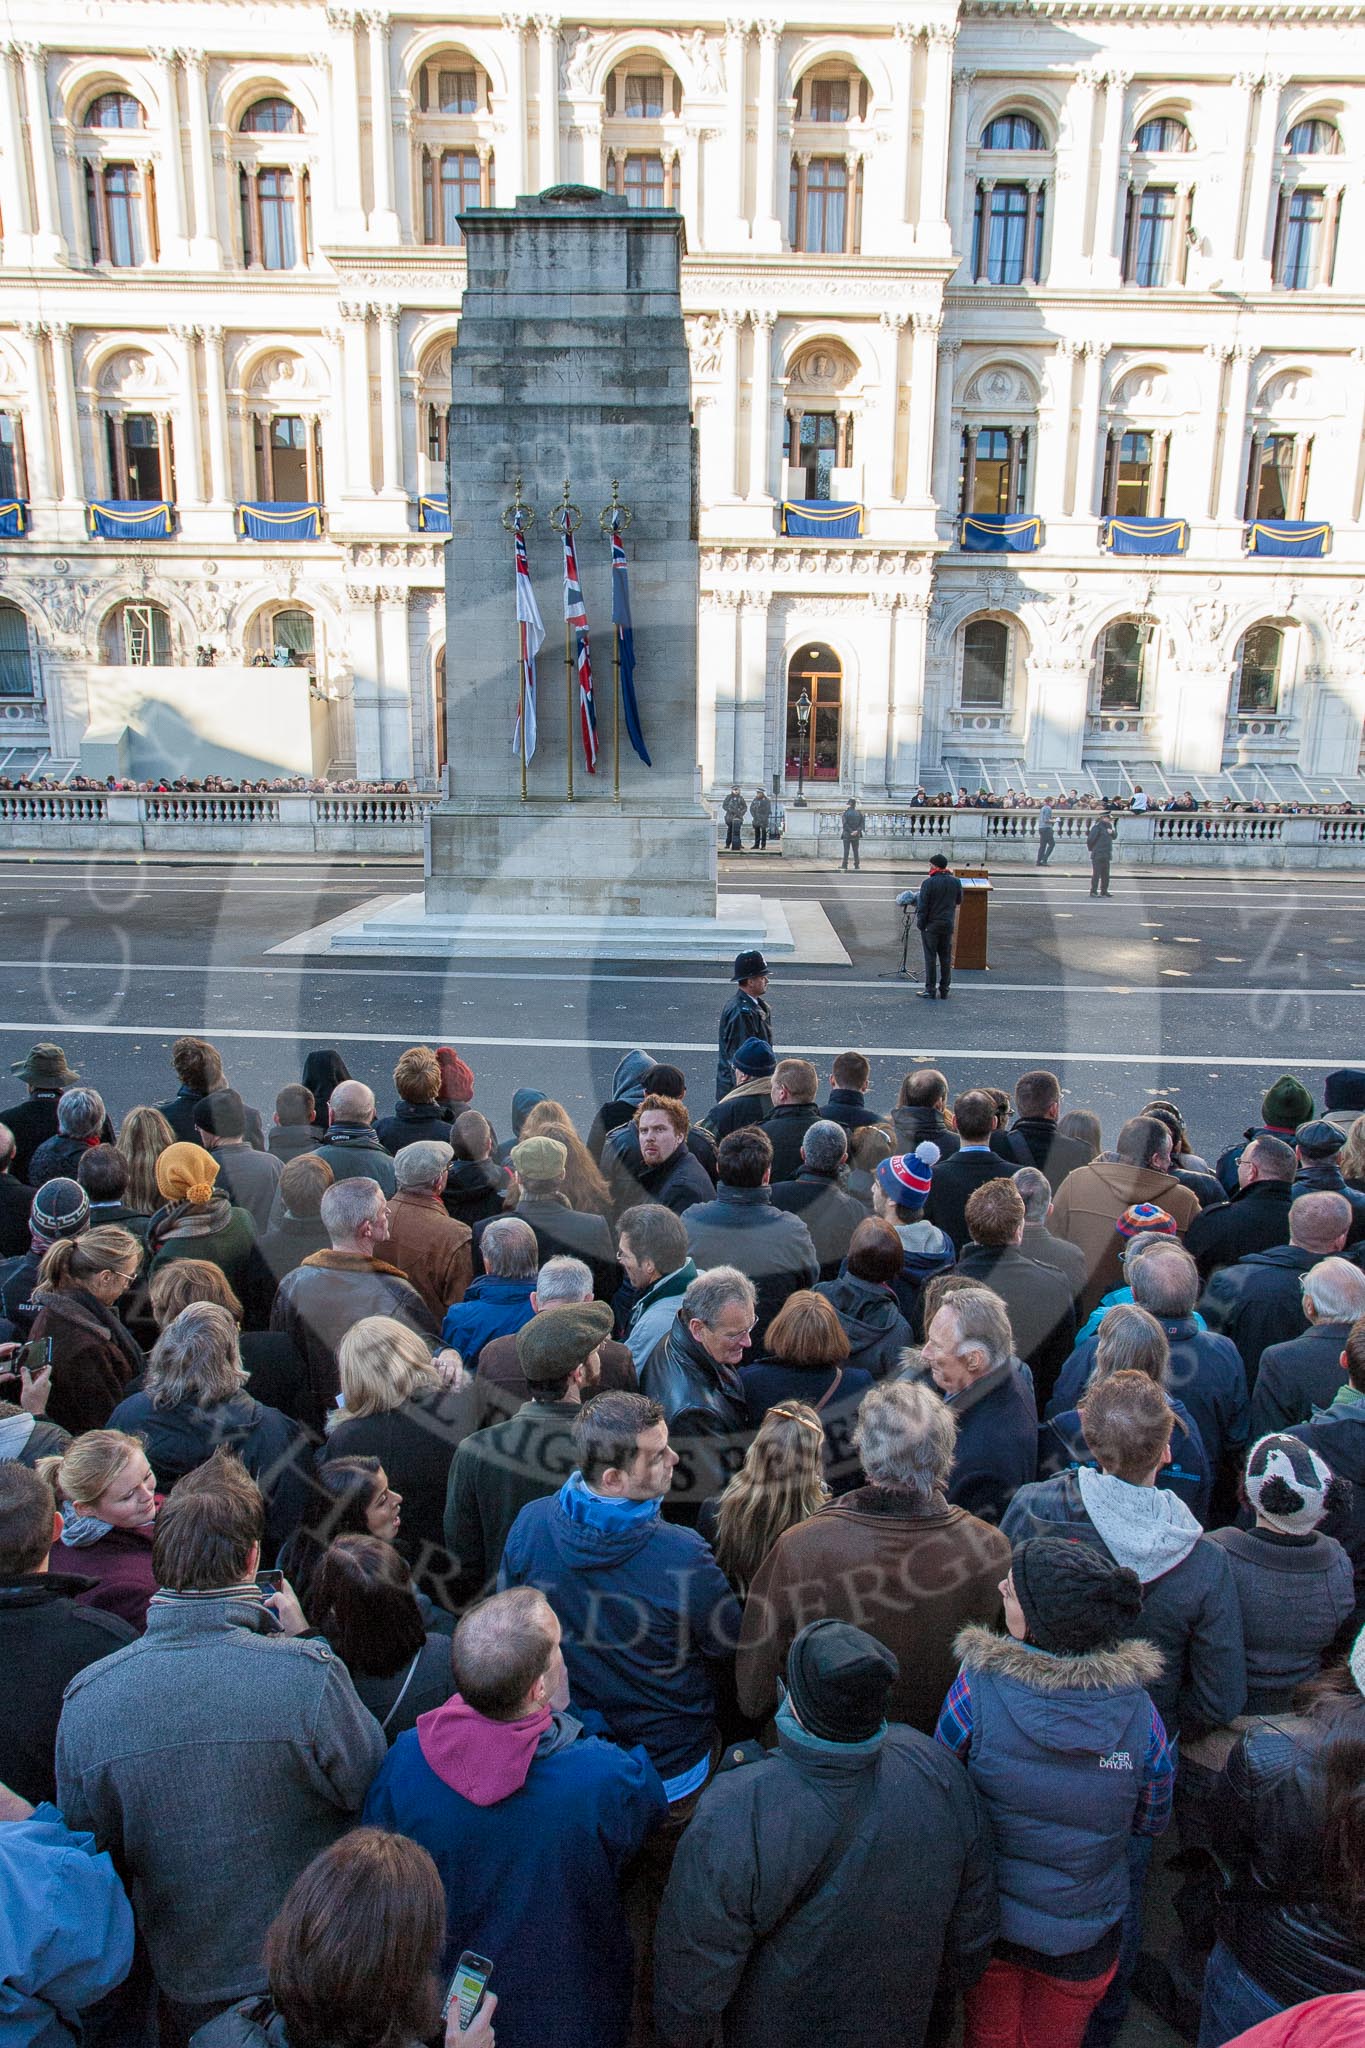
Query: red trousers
(1011, 2007)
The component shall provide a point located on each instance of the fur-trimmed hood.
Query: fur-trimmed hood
(1135, 1663)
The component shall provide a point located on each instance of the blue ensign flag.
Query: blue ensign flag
(625, 638)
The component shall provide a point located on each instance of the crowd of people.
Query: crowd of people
(1138, 800)
(762, 1575)
(207, 785)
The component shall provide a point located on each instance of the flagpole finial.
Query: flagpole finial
(616, 517)
(519, 517)
(566, 516)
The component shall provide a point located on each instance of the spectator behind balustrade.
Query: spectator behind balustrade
(1300, 1378)
(271, 1363)
(895, 1553)
(1036, 1297)
(80, 1120)
(107, 1497)
(1257, 1215)
(1038, 1242)
(197, 1221)
(780, 1483)
(531, 1824)
(1259, 1301)
(246, 1177)
(143, 1136)
(324, 1070)
(362, 1601)
(103, 1173)
(361, 1933)
(1039, 1717)
(423, 1242)
(652, 1248)
(417, 1116)
(816, 1193)
(291, 1134)
(66, 1928)
(80, 1281)
(194, 1400)
(1131, 1340)
(478, 1187)
(693, 1374)
(351, 1146)
(807, 1359)
(865, 1300)
(320, 1300)
(742, 1228)
(920, 1112)
(969, 1357)
(646, 1611)
(296, 1227)
(501, 1386)
(396, 1407)
(213, 1678)
(497, 1301)
(48, 1632)
(1288, 1831)
(854, 1853)
(1091, 1200)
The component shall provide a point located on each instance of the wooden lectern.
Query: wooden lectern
(970, 941)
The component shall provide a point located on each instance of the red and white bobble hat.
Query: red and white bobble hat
(907, 1177)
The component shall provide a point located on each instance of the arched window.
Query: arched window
(1123, 664)
(114, 110)
(137, 635)
(451, 84)
(985, 664)
(816, 672)
(1259, 660)
(832, 95)
(118, 214)
(1313, 138)
(285, 638)
(1163, 135)
(272, 117)
(642, 89)
(1013, 131)
(16, 657)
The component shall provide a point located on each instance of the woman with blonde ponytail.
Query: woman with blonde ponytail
(107, 1499)
(196, 1222)
(80, 1281)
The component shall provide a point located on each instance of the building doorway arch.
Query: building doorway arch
(817, 670)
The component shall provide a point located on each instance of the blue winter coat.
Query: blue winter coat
(66, 1930)
(645, 1611)
(1206, 1373)
(1062, 1447)
(491, 1308)
(533, 1881)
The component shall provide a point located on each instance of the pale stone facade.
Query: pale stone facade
(229, 275)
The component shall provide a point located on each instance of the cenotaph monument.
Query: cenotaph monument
(571, 372)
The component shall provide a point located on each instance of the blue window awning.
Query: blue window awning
(433, 515)
(131, 519)
(13, 519)
(1134, 536)
(258, 521)
(1287, 537)
(997, 533)
(821, 519)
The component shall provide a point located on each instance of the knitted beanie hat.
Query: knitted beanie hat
(1286, 1104)
(1289, 1485)
(457, 1078)
(186, 1173)
(61, 1208)
(1075, 1598)
(907, 1177)
(1145, 1216)
(755, 1058)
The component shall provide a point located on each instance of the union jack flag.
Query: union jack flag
(532, 639)
(576, 617)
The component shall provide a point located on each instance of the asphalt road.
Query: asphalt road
(1203, 989)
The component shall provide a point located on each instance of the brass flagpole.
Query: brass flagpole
(518, 520)
(565, 518)
(613, 520)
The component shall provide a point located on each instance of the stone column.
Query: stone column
(959, 214)
(873, 742)
(716, 686)
(363, 649)
(383, 215)
(547, 96)
(347, 212)
(1236, 435)
(879, 459)
(1105, 266)
(509, 163)
(37, 424)
(190, 480)
(1259, 234)
(48, 246)
(910, 632)
(390, 426)
(736, 113)
(923, 369)
(356, 397)
(945, 440)
(13, 184)
(215, 405)
(170, 189)
(395, 687)
(688, 200)
(205, 249)
(68, 426)
(1083, 497)
(897, 215)
(767, 233)
(931, 228)
(727, 407)
(1069, 233)
(752, 706)
(1053, 435)
(760, 403)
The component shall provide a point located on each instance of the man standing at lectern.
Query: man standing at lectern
(745, 1016)
(940, 896)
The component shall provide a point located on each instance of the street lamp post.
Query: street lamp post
(802, 727)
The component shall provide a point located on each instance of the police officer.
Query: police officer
(851, 826)
(1100, 842)
(761, 812)
(733, 810)
(745, 1016)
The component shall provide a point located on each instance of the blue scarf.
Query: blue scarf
(592, 1511)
